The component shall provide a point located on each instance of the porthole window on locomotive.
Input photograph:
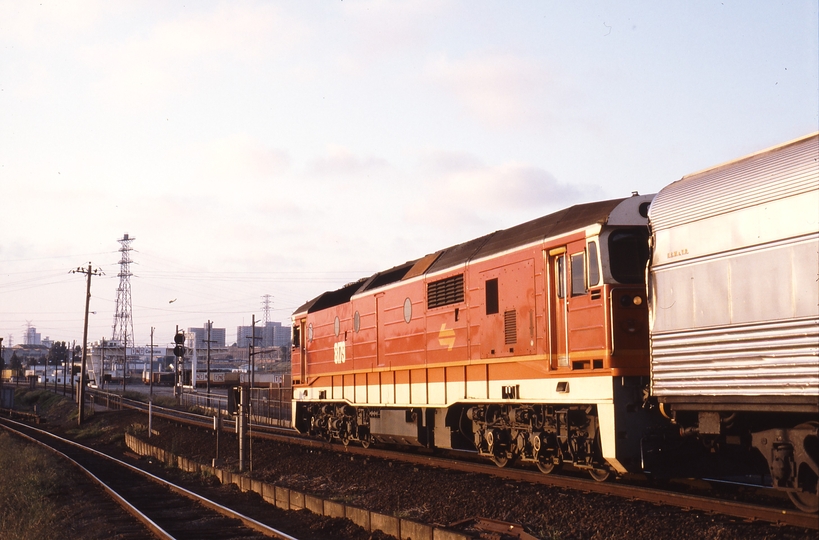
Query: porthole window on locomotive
(310, 332)
(407, 310)
(356, 322)
(337, 326)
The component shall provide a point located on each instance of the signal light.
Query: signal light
(179, 339)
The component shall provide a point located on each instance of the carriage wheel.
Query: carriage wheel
(600, 475)
(808, 500)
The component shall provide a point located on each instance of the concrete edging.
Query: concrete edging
(288, 499)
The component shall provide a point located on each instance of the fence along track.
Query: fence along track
(151, 508)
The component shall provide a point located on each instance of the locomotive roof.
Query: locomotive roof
(561, 222)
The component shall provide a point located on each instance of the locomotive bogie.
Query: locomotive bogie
(590, 422)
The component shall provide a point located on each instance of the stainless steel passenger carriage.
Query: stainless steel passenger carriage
(734, 309)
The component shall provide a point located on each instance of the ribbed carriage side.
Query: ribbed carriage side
(734, 300)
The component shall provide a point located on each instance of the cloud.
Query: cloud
(503, 91)
(341, 161)
(176, 55)
(462, 193)
(236, 158)
(44, 24)
(510, 185)
(382, 27)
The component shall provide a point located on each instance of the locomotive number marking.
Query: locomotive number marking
(446, 337)
(339, 352)
(677, 253)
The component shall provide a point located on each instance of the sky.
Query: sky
(288, 148)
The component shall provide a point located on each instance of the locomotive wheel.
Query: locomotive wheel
(546, 467)
(345, 438)
(600, 475)
(806, 502)
(501, 460)
(365, 442)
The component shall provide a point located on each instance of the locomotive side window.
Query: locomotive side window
(296, 336)
(594, 265)
(628, 251)
(492, 304)
(560, 271)
(578, 274)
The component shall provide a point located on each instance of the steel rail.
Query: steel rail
(746, 511)
(156, 529)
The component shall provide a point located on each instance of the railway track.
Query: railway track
(167, 510)
(742, 510)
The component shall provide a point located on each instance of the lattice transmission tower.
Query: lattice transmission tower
(123, 321)
(266, 308)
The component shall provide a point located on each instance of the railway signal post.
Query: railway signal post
(179, 352)
(238, 399)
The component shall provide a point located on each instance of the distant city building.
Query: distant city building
(272, 334)
(217, 337)
(281, 335)
(31, 337)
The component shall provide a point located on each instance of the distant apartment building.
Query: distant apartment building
(217, 337)
(272, 334)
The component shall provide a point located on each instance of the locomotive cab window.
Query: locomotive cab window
(628, 253)
(594, 265)
(560, 272)
(578, 274)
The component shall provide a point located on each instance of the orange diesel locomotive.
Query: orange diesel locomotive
(529, 343)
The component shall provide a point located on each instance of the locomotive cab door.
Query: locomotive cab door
(380, 333)
(577, 319)
(303, 350)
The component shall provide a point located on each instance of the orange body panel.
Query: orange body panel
(399, 338)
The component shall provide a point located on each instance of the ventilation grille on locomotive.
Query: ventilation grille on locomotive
(445, 291)
(510, 326)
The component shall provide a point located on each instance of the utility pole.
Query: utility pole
(81, 385)
(124, 357)
(251, 354)
(252, 359)
(151, 370)
(65, 363)
(102, 365)
(209, 341)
